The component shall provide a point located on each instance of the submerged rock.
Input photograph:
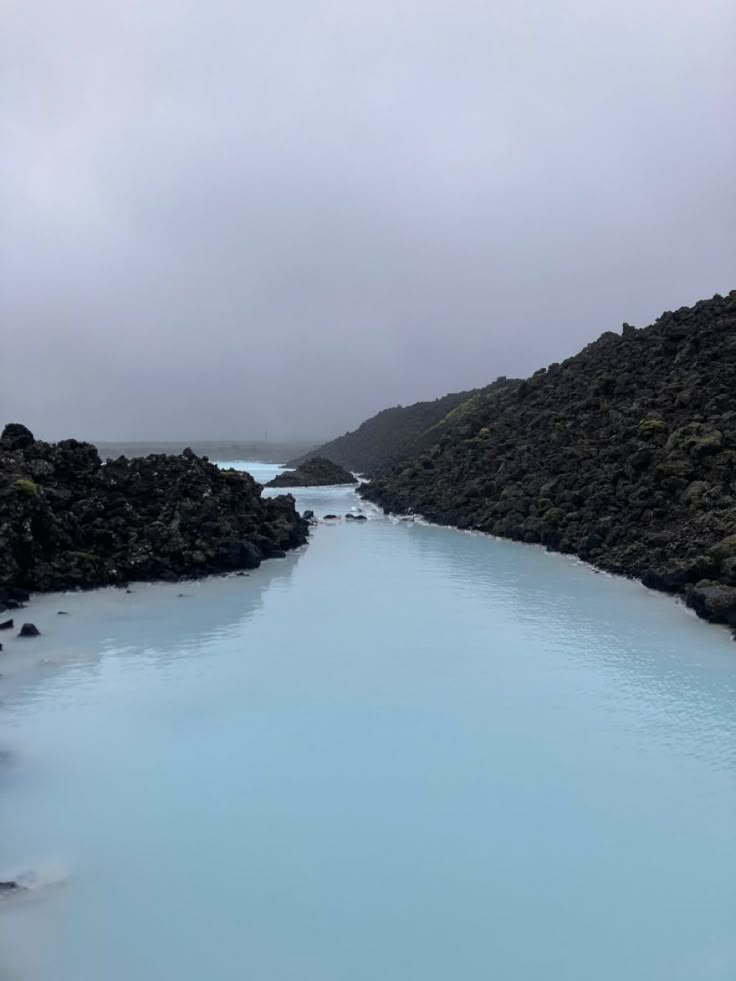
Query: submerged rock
(314, 472)
(67, 521)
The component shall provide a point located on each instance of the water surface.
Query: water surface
(403, 753)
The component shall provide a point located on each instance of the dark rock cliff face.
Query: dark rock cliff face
(314, 472)
(68, 521)
(624, 455)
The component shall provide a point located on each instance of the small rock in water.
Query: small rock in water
(9, 886)
(330, 517)
(29, 630)
(6, 625)
(314, 472)
(61, 613)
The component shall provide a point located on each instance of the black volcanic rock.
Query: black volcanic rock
(68, 521)
(392, 434)
(15, 437)
(624, 455)
(314, 472)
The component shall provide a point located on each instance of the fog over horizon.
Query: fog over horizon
(229, 218)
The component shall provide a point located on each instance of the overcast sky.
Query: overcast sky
(218, 216)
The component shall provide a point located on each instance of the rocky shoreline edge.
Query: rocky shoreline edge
(69, 521)
(709, 599)
(623, 455)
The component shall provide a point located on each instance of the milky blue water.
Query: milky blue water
(403, 753)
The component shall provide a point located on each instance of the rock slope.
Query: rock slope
(67, 520)
(314, 472)
(387, 436)
(624, 455)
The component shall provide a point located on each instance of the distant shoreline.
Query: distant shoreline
(224, 449)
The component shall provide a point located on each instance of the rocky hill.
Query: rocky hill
(386, 437)
(316, 471)
(67, 520)
(624, 455)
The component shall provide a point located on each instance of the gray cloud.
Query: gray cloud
(222, 216)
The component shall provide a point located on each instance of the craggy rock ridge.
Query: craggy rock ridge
(624, 455)
(67, 520)
(386, 437)
(314, 472)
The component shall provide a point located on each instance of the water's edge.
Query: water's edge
(399, 752)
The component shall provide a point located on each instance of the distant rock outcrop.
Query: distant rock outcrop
(67, 520)
(624, 455)
(314, 472)
(392, 434)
